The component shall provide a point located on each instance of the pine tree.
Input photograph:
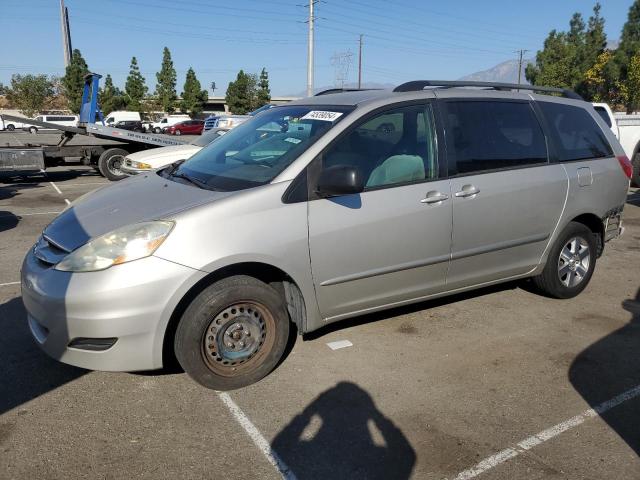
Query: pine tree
(193, 97)
(241, 94)
(554, 63)
(73, 80)
(110, 97)
(135, 87)
(166, 83)
(264, 94)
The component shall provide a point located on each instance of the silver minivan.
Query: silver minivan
(323, 209)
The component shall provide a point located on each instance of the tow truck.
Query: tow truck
(106, 159)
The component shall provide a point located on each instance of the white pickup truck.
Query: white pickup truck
(627, 129)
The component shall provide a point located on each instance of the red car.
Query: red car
(188, 127)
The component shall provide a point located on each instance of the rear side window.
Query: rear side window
(492, 135)
(576, 134)
(605, 116)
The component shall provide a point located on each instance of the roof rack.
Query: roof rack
(417, 85)
(343, 90)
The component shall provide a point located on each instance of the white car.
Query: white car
(146, 160)
(63, 120)
(157, 127)
(9, 125)
(121, 116)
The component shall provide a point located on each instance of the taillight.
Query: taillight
(627, 168)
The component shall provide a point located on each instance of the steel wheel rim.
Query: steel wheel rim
(574, 262)
(238, 337)
(114, 164)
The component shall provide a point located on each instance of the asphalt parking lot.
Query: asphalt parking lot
(499, 383)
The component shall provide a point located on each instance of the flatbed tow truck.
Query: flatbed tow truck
(106, 159)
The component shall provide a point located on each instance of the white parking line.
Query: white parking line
(28, 214)
(534, 440)
(259, 440)
(67, 201)
(9, 283)
(56, 187)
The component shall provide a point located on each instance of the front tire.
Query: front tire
(11, 128)
(232, 334)
(178, 132)
(110, 162)
(571, 263)
(156, 130)
(33, 130)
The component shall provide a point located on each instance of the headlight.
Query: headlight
(122, 245)
(141, 165)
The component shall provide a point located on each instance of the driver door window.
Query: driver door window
(394, 147)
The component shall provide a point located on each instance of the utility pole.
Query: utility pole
(521, 52)
(66, 33)
(360, 64)
(312, 19)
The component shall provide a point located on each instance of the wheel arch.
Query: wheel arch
(593, 223)
(284, 283)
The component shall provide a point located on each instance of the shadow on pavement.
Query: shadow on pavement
(8, 220)
(342, 435)
(609, 368)
(26, 372)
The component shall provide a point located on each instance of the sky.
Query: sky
(403, 40)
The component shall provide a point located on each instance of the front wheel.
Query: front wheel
(178, 132)
(571, 263)
(156, 130)
(33, 130)
(232, 334)
(11, 128)
(110, 163)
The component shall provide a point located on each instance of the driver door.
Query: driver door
(389, 244)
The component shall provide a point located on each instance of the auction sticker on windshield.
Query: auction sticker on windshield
(322, 115)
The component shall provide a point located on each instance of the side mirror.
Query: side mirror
(340, 180)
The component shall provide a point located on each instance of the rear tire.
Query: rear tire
(33, 130)
(156, 130)
(232, 334)
(178, 132)
(109, 164)
(570, 264)
(635, 169)
(11, 128)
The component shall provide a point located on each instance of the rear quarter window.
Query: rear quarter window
(605, 116)
(575, 133)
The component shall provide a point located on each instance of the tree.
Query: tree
(166, 83)
(135, 87)
(264, 94)
(554, 65)
(241, 94)
(193, 97)
(630, 88)
(601, 80)
(110, 97)
(73, 80)
(29, 93)
(629, 47)
(3, 89)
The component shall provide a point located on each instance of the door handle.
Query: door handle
(467, 191)
(434, 197)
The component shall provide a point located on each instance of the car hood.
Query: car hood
(158, 157)
(139, 199)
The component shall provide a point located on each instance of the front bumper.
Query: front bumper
(131, 302)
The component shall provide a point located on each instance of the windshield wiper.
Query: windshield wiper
(173, 167)
(198, 183)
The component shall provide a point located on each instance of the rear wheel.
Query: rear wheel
(33, 130)
(635, 176)
(178, 132)
(156, 130)
(110, 163)
(571, 263)
(232, 334)
(11, 128)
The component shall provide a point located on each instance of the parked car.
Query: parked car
(210, 122)
(133, 125)
(189, 127)
(121, 116)
(324, 218)
(156, 127)
(145, 160)
(627, 129)
(230, 121)
(65, 120)
(9, 125)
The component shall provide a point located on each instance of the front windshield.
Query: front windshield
(207, 137)
(255, 152)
